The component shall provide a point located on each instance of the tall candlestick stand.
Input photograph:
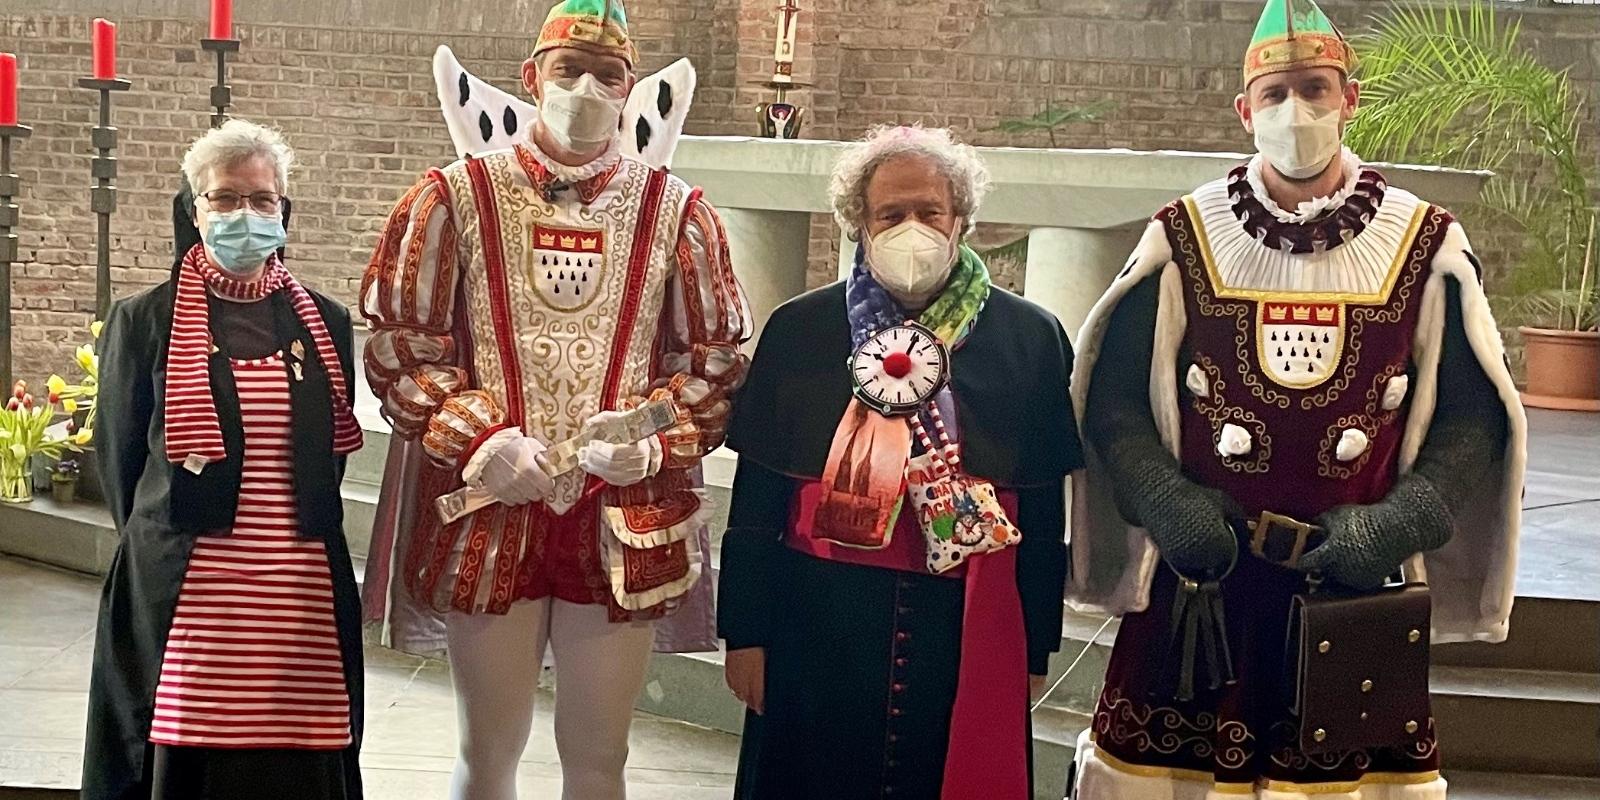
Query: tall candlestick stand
(221, 92)
(103, 197)
(782, 119)
(10, 187)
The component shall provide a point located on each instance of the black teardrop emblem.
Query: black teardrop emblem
(664, 99)
(641, 134)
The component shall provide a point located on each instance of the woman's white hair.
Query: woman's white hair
(959, 164)
(235, 142)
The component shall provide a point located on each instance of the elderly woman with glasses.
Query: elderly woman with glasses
(228, 652)
(893, 568)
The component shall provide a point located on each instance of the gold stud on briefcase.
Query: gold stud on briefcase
(1360, 668)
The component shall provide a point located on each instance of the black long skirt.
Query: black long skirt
(861, 679)
(203, 773)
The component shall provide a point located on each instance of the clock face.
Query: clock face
(900, 368)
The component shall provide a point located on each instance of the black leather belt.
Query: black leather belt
(1280, 538)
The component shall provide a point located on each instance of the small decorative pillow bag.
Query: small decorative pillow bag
(960, 516)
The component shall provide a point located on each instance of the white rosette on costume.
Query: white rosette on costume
(1471, 577)
(483, 119)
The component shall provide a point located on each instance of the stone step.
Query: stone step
(1511, 720)
(1546, 633)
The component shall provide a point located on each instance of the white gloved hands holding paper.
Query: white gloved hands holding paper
(508, 466)
(620, 464)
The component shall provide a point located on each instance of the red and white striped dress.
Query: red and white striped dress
(252, 659)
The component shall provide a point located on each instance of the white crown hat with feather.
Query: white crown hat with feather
(482, 118)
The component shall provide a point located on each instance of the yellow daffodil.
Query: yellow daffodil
(94, 328)
(83, 437)
(56, 384)
(69, 405)
(86, 358)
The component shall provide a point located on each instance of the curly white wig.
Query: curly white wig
(960, 164)
(236, 141)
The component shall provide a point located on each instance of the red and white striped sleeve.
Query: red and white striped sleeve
(408, 295)
(708, 319)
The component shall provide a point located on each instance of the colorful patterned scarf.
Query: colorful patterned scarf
(951, 316)
(864, 477)
(194, 434)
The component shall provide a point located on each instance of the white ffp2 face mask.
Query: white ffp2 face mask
(1299, 139)
(911, 260)
(581, 114)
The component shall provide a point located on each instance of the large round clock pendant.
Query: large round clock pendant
(899, 369)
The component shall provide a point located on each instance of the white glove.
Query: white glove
(512, 471)
(620, 464)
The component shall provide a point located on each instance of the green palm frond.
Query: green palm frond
(1453, 85)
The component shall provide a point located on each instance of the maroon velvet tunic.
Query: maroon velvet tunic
(1295, 371)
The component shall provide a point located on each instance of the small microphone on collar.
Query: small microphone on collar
(552, 189)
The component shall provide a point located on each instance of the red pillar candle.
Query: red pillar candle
(222, 19)
(105, 49)
(8, 89)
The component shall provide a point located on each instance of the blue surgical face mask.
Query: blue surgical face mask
(241, 240)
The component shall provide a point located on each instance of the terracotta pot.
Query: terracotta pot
(1563, 369)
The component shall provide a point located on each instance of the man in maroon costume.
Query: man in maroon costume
(1302, 350)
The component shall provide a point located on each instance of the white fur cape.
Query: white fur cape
(1471, 578)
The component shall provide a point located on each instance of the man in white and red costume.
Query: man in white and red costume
(516, 298)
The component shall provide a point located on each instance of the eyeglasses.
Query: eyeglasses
(225, 201)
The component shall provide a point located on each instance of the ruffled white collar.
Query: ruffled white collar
(581, 172)
(1309, 210)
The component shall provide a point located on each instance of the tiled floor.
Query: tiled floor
(46, 635)
(1560, 553)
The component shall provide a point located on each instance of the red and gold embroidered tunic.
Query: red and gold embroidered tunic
(500, 297)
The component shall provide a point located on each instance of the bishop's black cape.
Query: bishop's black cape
(159, 509)
(845, 718)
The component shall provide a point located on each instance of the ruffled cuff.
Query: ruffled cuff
(484, 449)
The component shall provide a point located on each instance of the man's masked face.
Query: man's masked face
(1298, 118)
(580, 95)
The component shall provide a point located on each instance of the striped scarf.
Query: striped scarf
(194, 433)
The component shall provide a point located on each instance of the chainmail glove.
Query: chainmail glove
(1367, 544)
(1188, 522)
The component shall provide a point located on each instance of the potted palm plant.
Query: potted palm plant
(1454, 85)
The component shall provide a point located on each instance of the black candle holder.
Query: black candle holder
(10, 187)
(103, 197)
(221, 92)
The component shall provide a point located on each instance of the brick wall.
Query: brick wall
(351, 86)
(357, 103)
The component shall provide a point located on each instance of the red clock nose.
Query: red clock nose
(898, 365)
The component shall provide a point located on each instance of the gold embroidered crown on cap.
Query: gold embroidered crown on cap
(598, 25)
(1294, 34)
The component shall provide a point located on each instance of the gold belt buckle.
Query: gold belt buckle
(1264, 525)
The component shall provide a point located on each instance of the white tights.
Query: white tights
(494, 664)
